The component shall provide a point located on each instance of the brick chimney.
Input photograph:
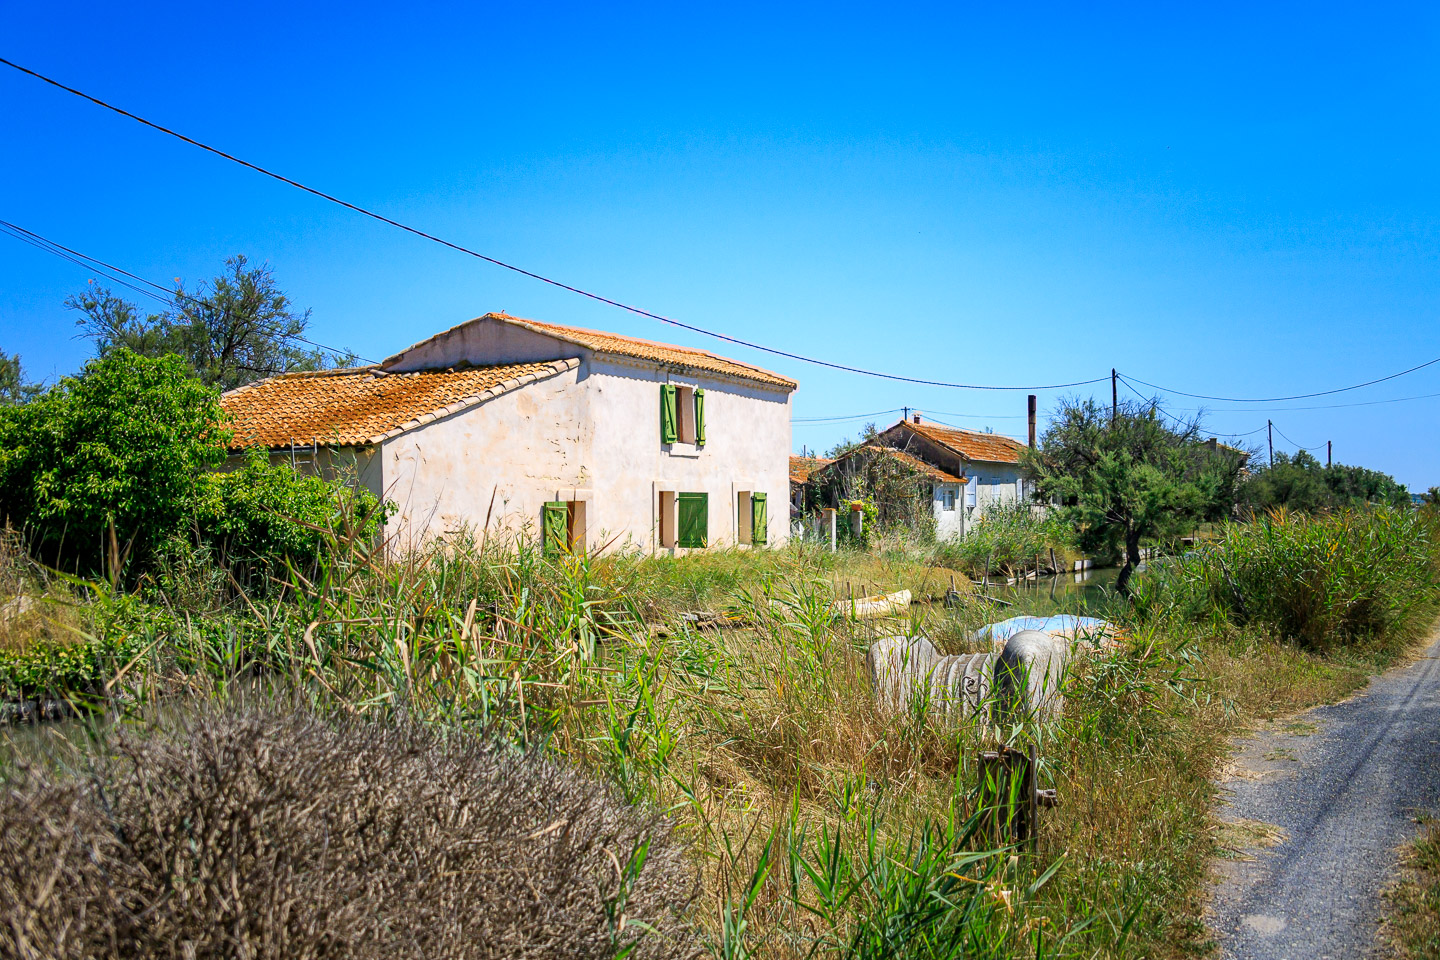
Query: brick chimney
(917, 416)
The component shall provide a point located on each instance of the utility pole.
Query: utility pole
(906, 412)
(1114, 396)
(1270, 439)
(1031, 405)
(1327, 453)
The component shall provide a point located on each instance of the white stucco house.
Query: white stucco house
(984, 469)
(500, 423)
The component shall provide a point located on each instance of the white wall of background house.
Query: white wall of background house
(590, 437)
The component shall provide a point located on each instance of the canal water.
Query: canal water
(1087, 592)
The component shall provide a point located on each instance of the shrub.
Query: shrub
(124, 444)
(1008, 537)
(249, 834)
(1355, 577)
(265, 513)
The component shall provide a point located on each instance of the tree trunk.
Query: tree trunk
(1132, 560)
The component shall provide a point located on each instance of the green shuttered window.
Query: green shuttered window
(555, 527)
(669, 421)
(759, 521)
(694, 509)
(699, 416)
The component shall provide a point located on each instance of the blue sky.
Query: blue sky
(1234, 201)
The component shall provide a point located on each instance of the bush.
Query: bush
(265, 513)
(1007, 538)
(1358, 577)
(124, 444)
(249, 834)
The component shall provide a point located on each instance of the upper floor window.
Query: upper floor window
(682, 414)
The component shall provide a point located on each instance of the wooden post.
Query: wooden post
(1327, 453)
(1030, 404)
(1114, 396)
(1270, 439)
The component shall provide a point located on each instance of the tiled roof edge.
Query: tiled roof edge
(299, 374)
(504, 386)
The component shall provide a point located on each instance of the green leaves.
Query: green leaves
(124, 444)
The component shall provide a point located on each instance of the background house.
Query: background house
(506, 423)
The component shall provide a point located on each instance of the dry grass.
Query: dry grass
(250, 834)
(1412, 925)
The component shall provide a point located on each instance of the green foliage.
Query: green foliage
(1352, 578)
(120, 449)
(1129, 477)
(238, 328)
(1008, 537)
(265, 513)
(14, 388)
(1302, 483)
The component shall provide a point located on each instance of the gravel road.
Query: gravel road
(1316, 807)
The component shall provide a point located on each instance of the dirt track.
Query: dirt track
(1317, 807)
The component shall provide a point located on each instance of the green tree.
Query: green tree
(1129, 479)
(121, 447)
(1302, 483)
(14, 388)
(237, 328)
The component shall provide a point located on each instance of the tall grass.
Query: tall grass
(1007, 539)
(1354, 579)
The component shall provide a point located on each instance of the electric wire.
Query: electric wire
(165, 296)
(853, 416)
(1293, 443)
(1299, 396)
(521, 270)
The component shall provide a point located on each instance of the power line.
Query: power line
(165, 296)
(1301, 396)
(520, 270)
(1293, 443)
(853, 416)
(1321, 406)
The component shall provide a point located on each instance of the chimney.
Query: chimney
(917, 416)
(1212, 443)
(1030, 404)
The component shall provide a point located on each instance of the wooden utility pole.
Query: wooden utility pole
(1114, 396)
(1327, 453)
(1030, 404)
(1270, 439)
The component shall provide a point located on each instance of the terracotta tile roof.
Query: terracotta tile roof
(909, 460)
(990, 447)
(638, 349)
(802, 467)
(364, 405)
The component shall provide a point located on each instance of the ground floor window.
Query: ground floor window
(693, 510)
(562, 526)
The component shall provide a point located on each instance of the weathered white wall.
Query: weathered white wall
(747, 448)
(949, 523)
(591, 434)
(482, 341)
(522, 447)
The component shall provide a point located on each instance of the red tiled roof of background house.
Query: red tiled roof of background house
(802, 467)
(990, 447)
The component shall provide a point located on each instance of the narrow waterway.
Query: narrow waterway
(1089, 591)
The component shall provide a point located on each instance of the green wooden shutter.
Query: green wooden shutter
(555, 527)
(694, 509)
(758, 520)
(669, 424)
(699, 415)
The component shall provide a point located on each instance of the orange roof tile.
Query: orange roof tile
(364, 405)
(802, 467)
(636, 348)
(990, 447)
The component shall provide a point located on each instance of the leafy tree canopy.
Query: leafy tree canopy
(121, 447)
(14, 388)
(1302, 483)
(1131, 478)
(238, 328)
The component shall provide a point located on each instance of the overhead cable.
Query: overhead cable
(1299, 396)
(521, 270)
(165, 296)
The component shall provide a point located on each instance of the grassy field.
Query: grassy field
(1412, 926)
(720, 690)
